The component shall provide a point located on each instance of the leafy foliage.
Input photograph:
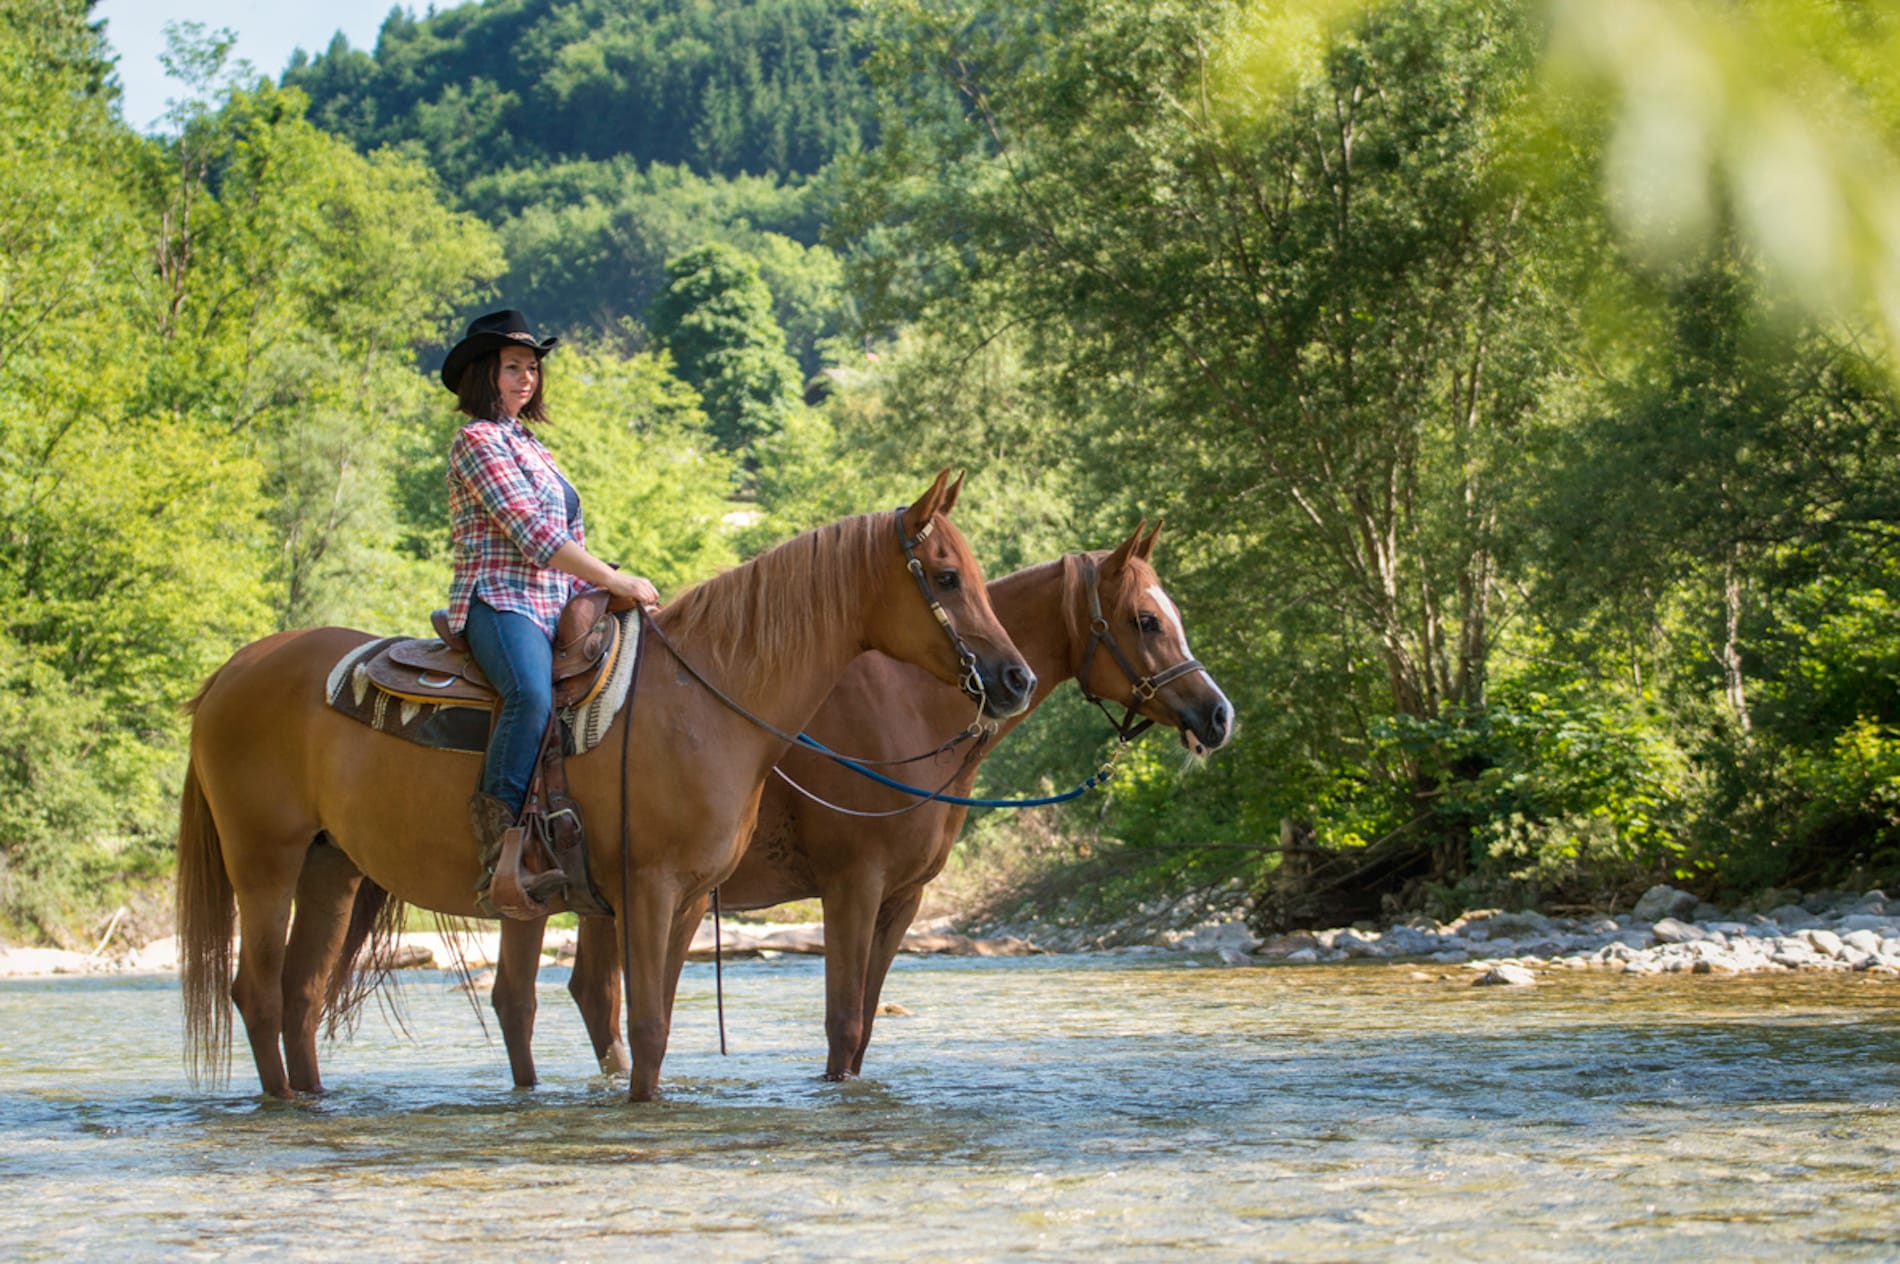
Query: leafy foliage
(715, 317)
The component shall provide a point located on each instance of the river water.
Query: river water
(1048, 1108)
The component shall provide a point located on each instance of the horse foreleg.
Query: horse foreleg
(893, 923)
(326, 892)
(595, 987)
(685, 926)
(517, 967)
(650, 921)
(850, 914)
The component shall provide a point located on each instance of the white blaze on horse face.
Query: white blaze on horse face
(1174, 616)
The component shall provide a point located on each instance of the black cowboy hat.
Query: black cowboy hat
(491, 333)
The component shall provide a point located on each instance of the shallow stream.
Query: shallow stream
(1047, 1108)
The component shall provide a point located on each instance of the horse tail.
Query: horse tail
(367, 957)
(206, 907)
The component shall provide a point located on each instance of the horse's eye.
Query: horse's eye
(949, 581)
(1147, 622)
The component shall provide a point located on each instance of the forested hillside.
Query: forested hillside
(605, 136)
(753, 87)
(1527, 451)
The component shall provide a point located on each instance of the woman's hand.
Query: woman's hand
(635, 588)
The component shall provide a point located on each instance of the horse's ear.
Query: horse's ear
(1131, 547)
(950, 497)
(1146, 549)
(926, 506)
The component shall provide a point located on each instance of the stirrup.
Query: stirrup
(506, 892)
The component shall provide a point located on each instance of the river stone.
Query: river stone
(1218, 937)
(1303, 956)
(1793, 953)
(1505, 974)
(1407, 941)
(1865, 921)
(1517, 925)
(1862, 941)
(1670, 931)
(1356, 943)
(1662, 901)
(1792, 917)
(1825, 942)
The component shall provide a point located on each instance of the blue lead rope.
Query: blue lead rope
(1100, 778)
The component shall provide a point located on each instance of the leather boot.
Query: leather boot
(490, 818)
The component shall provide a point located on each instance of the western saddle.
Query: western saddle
(544, 854)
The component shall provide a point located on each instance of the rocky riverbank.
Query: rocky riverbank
(478, 949)
(1668, 932)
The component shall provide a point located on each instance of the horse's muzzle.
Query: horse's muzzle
(1206, 728)
(1006, 690)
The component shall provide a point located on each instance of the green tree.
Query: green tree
(127, 532)
(715, 317)
(302, 277)
(1306, 327)
(654, 491)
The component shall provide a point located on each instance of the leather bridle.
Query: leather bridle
(1145, 687)
(969, 678)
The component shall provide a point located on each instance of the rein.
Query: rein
(626, 859)
(857, 765)
(970, 680)
(1101, 777)
(1126, 729)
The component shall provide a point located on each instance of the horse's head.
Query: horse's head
(1134, 649)
(939, 614)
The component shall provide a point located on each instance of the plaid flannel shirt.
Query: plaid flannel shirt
(508, 516)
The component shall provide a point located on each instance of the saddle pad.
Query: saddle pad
(463, 726)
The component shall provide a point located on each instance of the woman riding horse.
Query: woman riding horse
(520, 554)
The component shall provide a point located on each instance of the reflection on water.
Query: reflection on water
(1040, 1109)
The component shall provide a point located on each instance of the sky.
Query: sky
(268, 31)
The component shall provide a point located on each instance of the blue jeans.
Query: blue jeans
(518, 659)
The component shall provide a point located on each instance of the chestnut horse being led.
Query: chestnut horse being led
(1100, 618)
(289, 803)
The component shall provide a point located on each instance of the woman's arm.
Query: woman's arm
(575, 560)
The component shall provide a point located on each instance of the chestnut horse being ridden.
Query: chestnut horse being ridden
(286, 802)
(1101, 618)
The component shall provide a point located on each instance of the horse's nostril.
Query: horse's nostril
(1019, 680)
(1223, 723)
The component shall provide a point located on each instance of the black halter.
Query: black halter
(969, 679)
(1145, 687)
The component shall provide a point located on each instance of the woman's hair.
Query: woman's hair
(479, 398)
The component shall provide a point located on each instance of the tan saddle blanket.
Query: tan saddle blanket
(430, 691)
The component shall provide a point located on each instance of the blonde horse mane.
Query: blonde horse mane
(770, 614)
